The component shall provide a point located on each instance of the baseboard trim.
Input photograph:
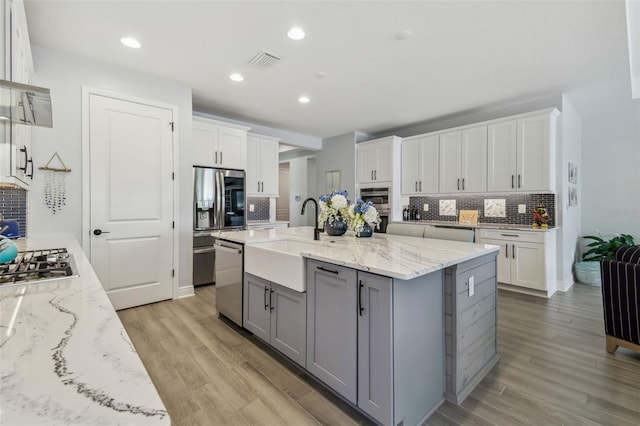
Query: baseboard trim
(185, 291)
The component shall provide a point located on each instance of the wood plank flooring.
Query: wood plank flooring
(554, 369)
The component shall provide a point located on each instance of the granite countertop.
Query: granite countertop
(393, 256)
(65, 358)
(479, 225)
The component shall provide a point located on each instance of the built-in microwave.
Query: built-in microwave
(380, 199)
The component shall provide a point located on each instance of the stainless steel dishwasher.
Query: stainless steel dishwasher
(203, 258)
(228, 275)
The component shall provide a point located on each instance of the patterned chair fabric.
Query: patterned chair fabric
(621, 298)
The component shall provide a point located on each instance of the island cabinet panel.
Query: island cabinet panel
(375, 346)
(470, 325)
(332, 320)
(277, 315)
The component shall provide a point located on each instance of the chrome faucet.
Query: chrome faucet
(316, 231)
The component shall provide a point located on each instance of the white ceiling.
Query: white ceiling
(461, 55)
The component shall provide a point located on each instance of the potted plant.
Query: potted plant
(588, 271)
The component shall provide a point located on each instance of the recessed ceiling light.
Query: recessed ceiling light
(403, 35)
(130, 42)
(236, 77)
(295, 33)
(304, 99)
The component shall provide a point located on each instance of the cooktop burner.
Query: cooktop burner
(37, 266)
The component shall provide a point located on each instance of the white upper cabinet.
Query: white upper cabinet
(16, 163)
(374, 160)
(218, 144)
(463, 164)
(262, 166)
(420, 165)
(521, 154)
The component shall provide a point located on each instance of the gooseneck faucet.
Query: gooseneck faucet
(316, 230)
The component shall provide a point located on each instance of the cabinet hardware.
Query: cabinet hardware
(216, 161)
(26, 158)
(360, 308)
(371, 174)
(506, 250)
(512, 181)
(99, 232)
(420, 186)
(511, 235)
(30, 175)
(258, 190)
(375, 174)
(220, 157)
(270, 301)
(463, 184)
(513, 251)
(519, 181)
(458, 184)
(322, 268)
(416, 186)
(266, 290)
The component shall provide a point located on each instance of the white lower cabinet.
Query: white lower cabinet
(526, 259)
(277, 315)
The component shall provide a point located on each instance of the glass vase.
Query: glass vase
(367, 231)
(336, 228)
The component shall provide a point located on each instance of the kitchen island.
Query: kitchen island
(393, 324)
(65, 358)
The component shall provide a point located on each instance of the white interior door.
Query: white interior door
(131, 157)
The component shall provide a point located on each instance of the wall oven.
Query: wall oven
(380, 199)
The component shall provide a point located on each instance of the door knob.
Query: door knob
(99, 232)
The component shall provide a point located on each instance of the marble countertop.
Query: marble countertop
(479, 225)
(393, 256)
(65, 358)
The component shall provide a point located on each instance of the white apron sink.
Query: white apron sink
(279, 262)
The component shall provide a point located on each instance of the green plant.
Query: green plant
(601, 249)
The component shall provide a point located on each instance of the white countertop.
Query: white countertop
(393, 256)
(480, 225)
(65, 358)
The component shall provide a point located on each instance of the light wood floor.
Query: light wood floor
(554, 369)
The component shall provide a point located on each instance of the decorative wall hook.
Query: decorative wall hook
(55, 169)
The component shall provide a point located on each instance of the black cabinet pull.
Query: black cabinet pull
(270, 301)
(371, 174)
(26, 158)
(266, 290)
(322, 268)
(512, 181)
(220, 157)
(30, 175)
(416, 186)
(360, 308)
(506, 250)
(463, 184)
(513, 251)
(458, 184)
(519, 181)
(420, 186)
(375, 174)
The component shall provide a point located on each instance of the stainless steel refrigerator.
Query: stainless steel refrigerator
(219, 199)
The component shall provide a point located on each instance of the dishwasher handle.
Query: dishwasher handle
(227, 249)
(203, 250)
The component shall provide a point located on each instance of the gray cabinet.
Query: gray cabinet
(470, 325)
(332, 321)
(276, 315)
(375, 346)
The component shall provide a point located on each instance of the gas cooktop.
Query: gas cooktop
(32, 266)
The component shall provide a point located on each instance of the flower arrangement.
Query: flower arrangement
(361, 214)
(333, 207)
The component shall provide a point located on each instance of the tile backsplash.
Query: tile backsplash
(492, 208)
(260, 208)
(13, 205)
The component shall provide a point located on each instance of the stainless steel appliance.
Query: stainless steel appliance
(31, 266)
(218, 204)
(219, 199)
(380, 198)
(203, 258)
(228, 275)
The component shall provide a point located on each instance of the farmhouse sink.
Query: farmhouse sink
(279, 262)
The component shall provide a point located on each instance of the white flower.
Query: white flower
(338, 201)
(351, 211)
(371, 216)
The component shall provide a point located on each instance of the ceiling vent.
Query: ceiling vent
(264, 60)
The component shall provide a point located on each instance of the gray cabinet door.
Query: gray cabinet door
(256, 306)
(289, 322)
(375, 347)
(332, 319)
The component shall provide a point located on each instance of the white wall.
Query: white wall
(611, 172)
(338, 153)
(569, 218)
(297, 187)
(65, 75)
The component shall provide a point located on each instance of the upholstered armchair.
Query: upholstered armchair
(621, 299)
